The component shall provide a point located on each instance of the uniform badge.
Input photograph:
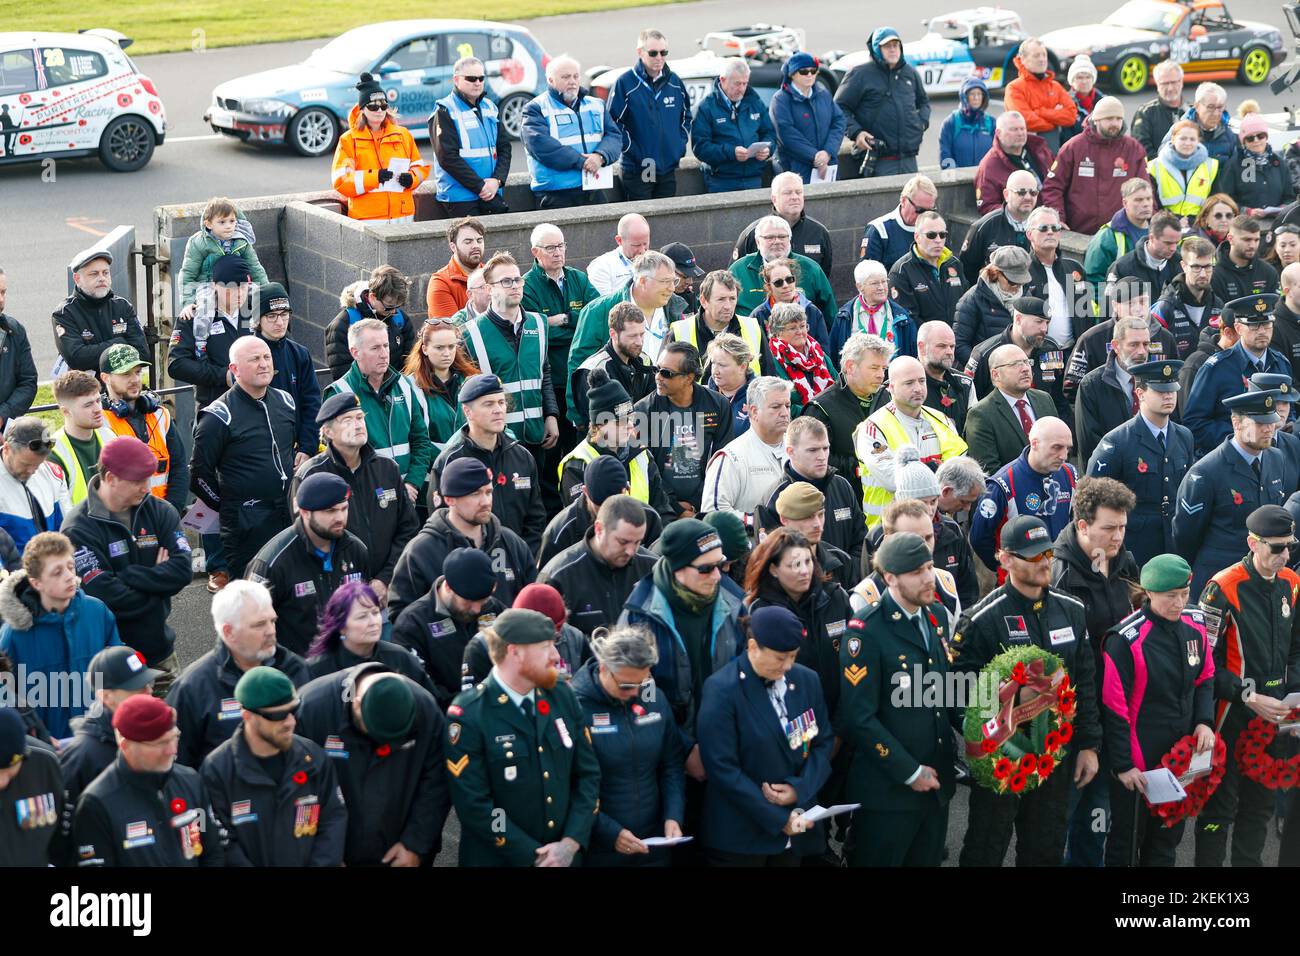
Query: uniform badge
(854, 674)
(511, 773)
(882, 750)
(855, 645)
(904, 681)
(564, 733)
(1286, 609)
(457, 767)
(896, 616)
(1193, 653)
(453, 733)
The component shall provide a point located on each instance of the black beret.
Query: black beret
(1271, 521)
(1030, 305)
(469, 574)
(476, 386)
(338, 404)
(322, 490)
(464, 476)
(776, 628)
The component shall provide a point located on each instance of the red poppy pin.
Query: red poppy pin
(1121, 163)
(178, 805)
(501, 478)
(300, 777)
(383, 750)
(1236, 497)
(1142, 466)
(638, 710)
(543, 707)
(946, 400)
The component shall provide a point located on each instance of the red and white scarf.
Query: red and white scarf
(799, 367)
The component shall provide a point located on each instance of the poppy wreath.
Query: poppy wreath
(1255, 762)
(1198, 791)
(1019, 747)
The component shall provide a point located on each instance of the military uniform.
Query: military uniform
(427, 628)
(31, 808)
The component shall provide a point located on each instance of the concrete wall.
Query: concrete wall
(119, 244)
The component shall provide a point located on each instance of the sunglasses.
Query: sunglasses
(781, 283)
(668, 373)
(38, 445)
(473, 79)
(279, 715)
(935, 235)
(707, 569)
(656, 52)
(810, 71)
(377, 107)
(1255, 137)
(439, 324)
(1052, 228)
(641, 686)
(1025, 192)
(1275, 548)
(1036, 559)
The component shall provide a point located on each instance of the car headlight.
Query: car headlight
(267, 107)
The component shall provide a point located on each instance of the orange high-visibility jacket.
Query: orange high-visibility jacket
(359, 157)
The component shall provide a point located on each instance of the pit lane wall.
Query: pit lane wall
(305, 241)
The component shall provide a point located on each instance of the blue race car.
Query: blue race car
(307, 105)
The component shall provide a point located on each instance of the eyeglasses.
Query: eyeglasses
(779, 235)
(707, 569)
(918, 208)
(1275, 547)
(1255, 137)
(810, 71)
(1036, 559)
(782, 283)
(935, 235)
(641, 686)
(1197, 266)
(377, 107)
(656, 52)
(278, 715)
(553, 248)
(668, 373)
(1055, 227)
(509, 283)
(473, 79)
(1025, 192)
(1026, 363)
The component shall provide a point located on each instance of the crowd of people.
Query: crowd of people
(557, 554)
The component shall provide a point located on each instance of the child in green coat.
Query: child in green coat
(225, 233)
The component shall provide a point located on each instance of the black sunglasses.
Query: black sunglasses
(1025, 192)
(1051, 227)
(279, 715)
(656, 52)
(377, 107)
(473, 79)
(38, 445)
(782, 283)
(1256, 137)
(707, 568)
(668, 373)
(936, 235)
(810, 71)
(1275, 548)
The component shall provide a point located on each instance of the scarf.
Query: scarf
(799, 366)
(1006, 298)
(877, 321)
(1170, 158)
(681, 598)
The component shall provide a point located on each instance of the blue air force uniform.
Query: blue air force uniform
(1134, 455)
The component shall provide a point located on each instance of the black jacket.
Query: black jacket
(808, 238)
(141, 807)
(1150, 123)
(17, 369)
(660, 420)
(636, 377)
(299, 581)
(402, 334)
(1092, 347)
(178, 459)
(951, 395)
(1133, 264)
(298, 820)
(84, 327)
(985, 234)
(889, 103)
(1170, 310)
(1267, 184)
(593, 591)
(421, 562)
(516, 486)
(202, 358)
(11, 558)
(426, 627)
(1206, 345)
(89, 753)
(1006, 619)
(295, 373)
(243, 456)
(33, 810)
(1101, 406)
(1233, 281)
(119, 565)
(572, 523)
(207, 712)
(824, 613)
(845, 527)
(927, 293)
(1049, 370)
(1070, 274)
(980, 316)
(1286, 333)
(1106, 599)
(394, 793)
(396, 657)
(446, 148)
(380, 512)
(841, 411)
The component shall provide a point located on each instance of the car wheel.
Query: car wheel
(127, 144)
(1256, 64)
(1131, 74)
(313, 132)
(511, 114)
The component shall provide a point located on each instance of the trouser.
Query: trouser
(245, 529)
(903, 838)
(723, 858)
(730, 184)
(895, 166)
(660, 185)
(1090, 817)
(568, 198)
(1038, 819)
(1239, 806)
(1289, 853)
(214, 555)
(474, 207)
(1133, 825)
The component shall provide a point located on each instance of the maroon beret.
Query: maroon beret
(143, 718)
(129, 458)
(545, 599)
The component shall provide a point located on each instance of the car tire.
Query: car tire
(510, 113)
(313, 132)
(1256, 64)
(127, 144)
(1131, 74)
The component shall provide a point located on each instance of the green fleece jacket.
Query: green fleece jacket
(203, 249)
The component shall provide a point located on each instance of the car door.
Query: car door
(415, 84)
(1210, 41)
(78, 108)
(17, 86)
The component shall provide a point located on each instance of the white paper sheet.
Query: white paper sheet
(819, 812)
(666, 841)
(832, 172)
(753, 149)
(199, 517)
(398, 165)
(602, 178)
(1163, 786)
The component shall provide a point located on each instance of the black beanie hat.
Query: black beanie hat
(369, 89)
(606, 396)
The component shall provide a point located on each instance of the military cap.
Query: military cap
(902, 553)
(799, 500)
(263, 687)
(469, 574)
(1030, 305)
(777, 628)
(272, 297)
(143, 718)
(1159, 376)
(464, 476)
(476, 386)
(1250, 309)
(521, 625)
(322, 490)
(1165, 572)
(1271, 521)
(337, 404)
(1275, 382)
(686, 539)
(1257, 406)
(1026, 536)
(13, 738)
(388, 709)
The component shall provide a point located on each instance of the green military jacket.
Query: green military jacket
(519, 783)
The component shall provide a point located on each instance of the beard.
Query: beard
(543, 675)
(327, 533)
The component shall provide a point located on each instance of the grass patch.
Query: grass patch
(163, 27)
(45, 396)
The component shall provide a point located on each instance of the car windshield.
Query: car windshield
(352, 52)
(1145, 15)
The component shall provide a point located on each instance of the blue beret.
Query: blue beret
(476, 386)
(464, 476)
(776, 628)
(469, 574)
(322, 490)
(338, 404)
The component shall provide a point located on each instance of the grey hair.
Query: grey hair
(780, 179)
(761, 386)
(732, 345)
(554, 66)
(860, 343)
(866, 269)
(961, 473)
(772, 221)
(649, 262)
(477, 274)
(1130, 323)
(648, 34)
(1040, 213)
(358, 329)
(783, 314)
(458, 68)
(229, 603)
(628, 646)
(1168, 66)
(1206, 90)
(1009, 114)
(734, 66)
(541, 231)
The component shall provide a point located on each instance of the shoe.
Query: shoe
(217, 580)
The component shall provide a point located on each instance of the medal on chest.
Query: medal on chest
(1193, 653)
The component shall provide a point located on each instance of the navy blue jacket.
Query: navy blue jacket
(720, 126)
(1222, 376)
(805, 125)
(744, 744)
(887, 102)
(966, 135)
(296, 374)
(655, 118)
(1017, 489)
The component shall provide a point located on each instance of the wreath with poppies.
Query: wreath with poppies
(1018, 748)
(1255, 762)
(1198, 791)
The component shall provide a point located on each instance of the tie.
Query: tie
(1134, 408)
(1256, 467)
(1022, 409)
(1163, 447)
(526, 705)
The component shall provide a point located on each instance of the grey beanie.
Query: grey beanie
(912, 479)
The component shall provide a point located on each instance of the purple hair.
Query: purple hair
(335, 616)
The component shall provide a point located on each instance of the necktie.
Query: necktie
(1022, 409)
(1134, 407)
(1163, 447)
(526, 705)
(1256, 467)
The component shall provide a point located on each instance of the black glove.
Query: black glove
(385, 175)
(406, 180)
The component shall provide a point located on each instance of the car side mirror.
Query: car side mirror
(389, 66)
(1199, 31)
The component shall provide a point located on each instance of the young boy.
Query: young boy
(224, 233)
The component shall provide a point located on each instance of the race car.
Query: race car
(306, 105)
(64, 95)
(1199, 34)
(978, 42)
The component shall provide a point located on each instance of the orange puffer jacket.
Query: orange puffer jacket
(1044, 103)
(359, 157)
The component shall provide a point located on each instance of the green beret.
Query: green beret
(731, 532)
(1165, 572)
(903, 553)
(524, 626)
(388, 709)
(264, 687)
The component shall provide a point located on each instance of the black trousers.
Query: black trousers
(1038, 818)
(1157, 844)
(1289, 853)
(722, 858)
(1239, 806)
(660, 186)
(907, 838)
(475, 207)
(568, 198)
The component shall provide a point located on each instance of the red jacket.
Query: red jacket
(1087, 176)
(1044, 103)
(996, 168)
